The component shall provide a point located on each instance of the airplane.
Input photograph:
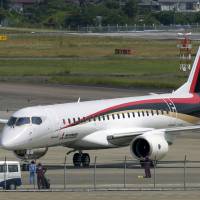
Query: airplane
(148, 124)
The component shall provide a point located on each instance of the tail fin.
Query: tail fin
(193, 83)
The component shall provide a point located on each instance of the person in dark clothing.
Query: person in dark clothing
(147, 166)
(40, 171)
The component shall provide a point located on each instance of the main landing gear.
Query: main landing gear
(81, 159)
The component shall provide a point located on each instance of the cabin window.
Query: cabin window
(147, 113)
(99, 118)
(108, 117)
(23, 121)
(36, 120)
(133, 114)
(138, 114)
(143, 113)
(162, 112)
(128, 115)
(69, 121)
(157, 112)
(74, 120)
(113, 116)
(152, 112)
(123, 115)
(11, 121)
(118, 115)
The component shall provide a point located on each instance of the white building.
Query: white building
(180, 5)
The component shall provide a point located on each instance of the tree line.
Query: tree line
(59, 14)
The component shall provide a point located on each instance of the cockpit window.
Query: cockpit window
(22, 121)
(36, 120)
(11, 121)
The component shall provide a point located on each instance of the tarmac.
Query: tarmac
(110, 172)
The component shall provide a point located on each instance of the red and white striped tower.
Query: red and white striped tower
(185, 51)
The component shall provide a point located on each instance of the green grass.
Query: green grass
(91, 60)
(107, 65)
(116, 82)
(31, 45)
(111, 71)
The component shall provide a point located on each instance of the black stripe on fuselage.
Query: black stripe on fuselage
(189, 109)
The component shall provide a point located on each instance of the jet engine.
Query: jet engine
(32, 154)
(153, 145)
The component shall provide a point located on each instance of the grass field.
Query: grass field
(90, 60)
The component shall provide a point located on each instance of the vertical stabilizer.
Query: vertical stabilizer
(193, 83)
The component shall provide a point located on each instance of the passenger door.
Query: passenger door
(172, 112)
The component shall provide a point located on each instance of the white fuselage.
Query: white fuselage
(86, 125)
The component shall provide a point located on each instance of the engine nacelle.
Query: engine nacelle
(153, 145)
(32, 154)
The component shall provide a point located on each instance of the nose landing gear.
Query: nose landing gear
(81, 159)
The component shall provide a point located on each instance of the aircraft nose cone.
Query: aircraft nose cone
(6, 144)
(13, 139)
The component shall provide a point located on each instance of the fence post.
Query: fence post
(5, 171)
(154, 174)
(125, 172)
(185, 172)
(35, 177)
(65, 171)
(95, 162)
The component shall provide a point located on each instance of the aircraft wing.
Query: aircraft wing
(124, 138)
(182, 129)
(3, 121)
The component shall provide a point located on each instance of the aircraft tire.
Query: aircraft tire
(85, 159)
(77, 160)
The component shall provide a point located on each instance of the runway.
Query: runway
(154, 35)
(14, 96)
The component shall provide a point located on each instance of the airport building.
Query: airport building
(19, 5)
(179, 6)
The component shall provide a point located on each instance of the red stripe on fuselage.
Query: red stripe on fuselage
(192, 100)
(194, 81)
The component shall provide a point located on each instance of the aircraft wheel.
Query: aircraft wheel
(77, 160)
(85, 159)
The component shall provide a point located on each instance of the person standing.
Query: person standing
(40, 175)
(147, 166)
(32, 171)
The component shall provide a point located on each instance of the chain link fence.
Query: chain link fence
(123, 174)
(135, 28)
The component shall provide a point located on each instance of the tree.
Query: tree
(131, 8)
(112, 4)
(2, 14)
(82, 3)
(4, 4)
(165, 17)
